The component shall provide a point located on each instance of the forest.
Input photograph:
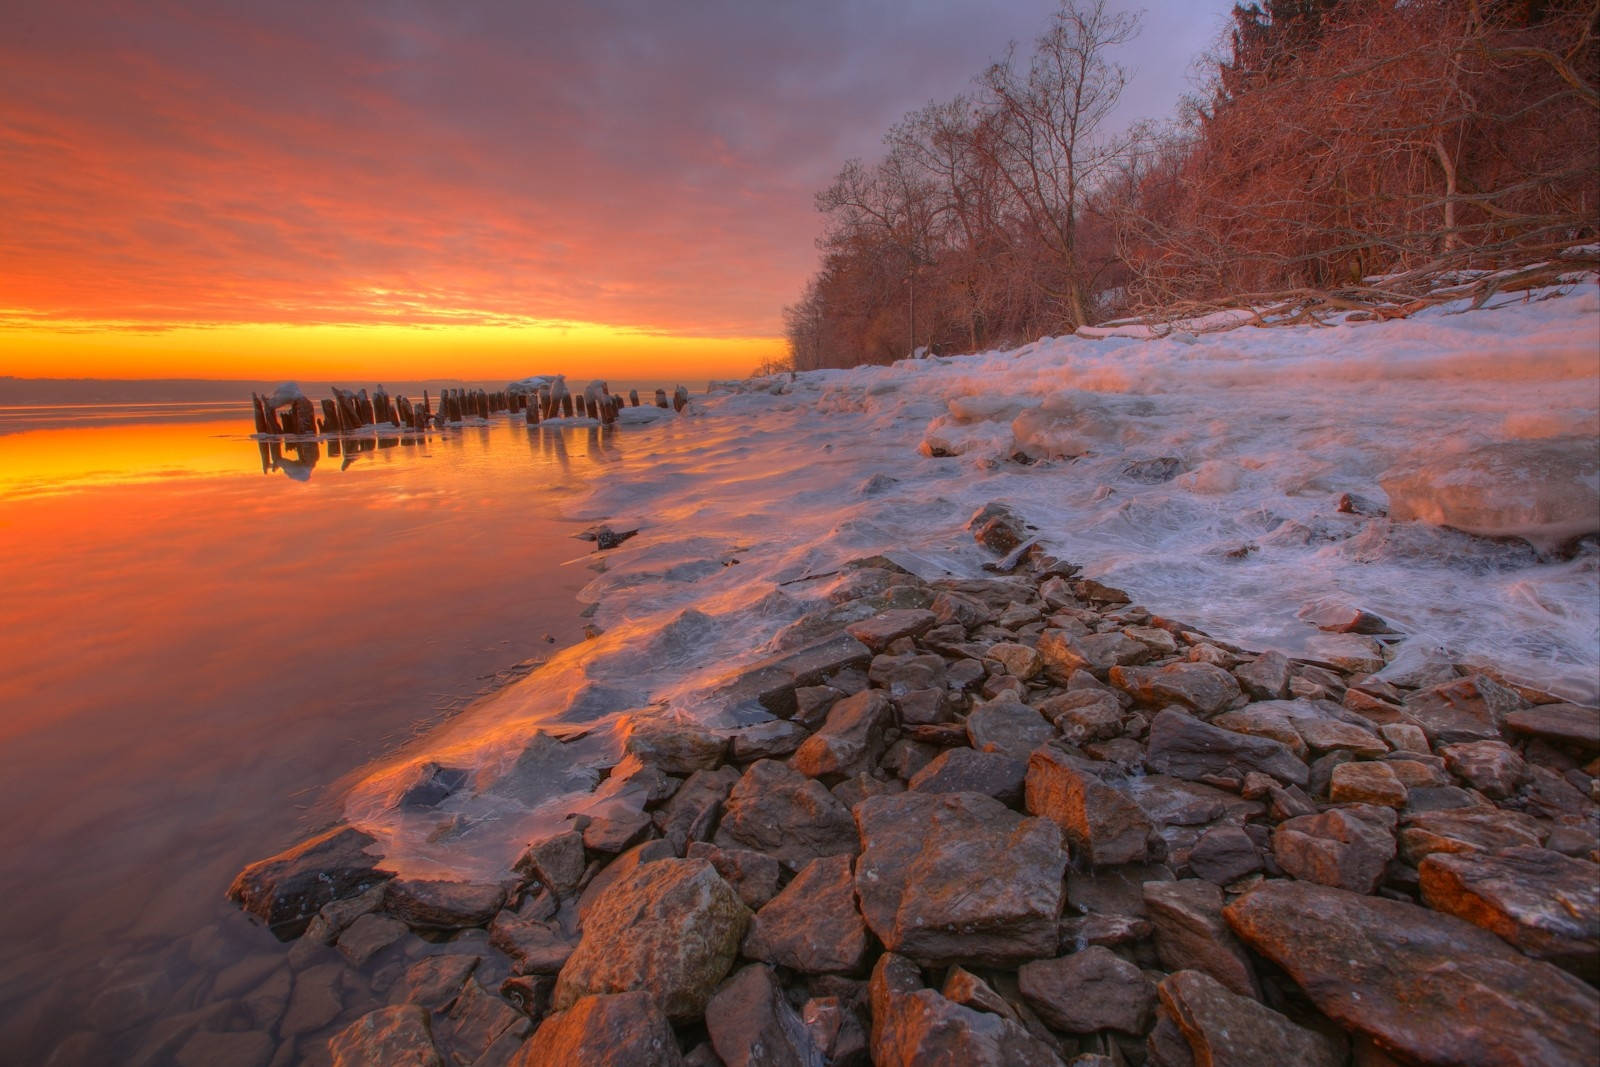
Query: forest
(1334, 150)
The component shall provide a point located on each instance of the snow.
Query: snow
(757, 494)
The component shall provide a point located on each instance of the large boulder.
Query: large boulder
(1428, 987)
(775, 809)
(959, 878)
(623, 1030)
(287, 890)
(671, 928)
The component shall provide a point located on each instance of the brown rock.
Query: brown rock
(533, 947)
(1009, 727)
(1491, 767)
(967, 989)
(1224, 1028)
(1463, 709)
(693, 811)
(675, 747)
(959, 878)
(1224, 854)
(1405, 737)
(1328, 735)
(851, 740)
(557, 861)
(1100, 823)
(1191, 933)
(914, 1025)
(767, 740)
(1430, 987)
(1184, 747)
(435, 981)
(1204, 688)
(368, 936)
(1559, 723)
(625, 1030)
(1347, 847)
(966, 770)
(622, 866)
(752, 1025)
(1465, 830)
(836, 1028)
(287, 890)
(480, 1018)
(1062, 652)
(1084, 715)
(1266, 677)
(777, 810)
(904, 674)
(1088, 991)
(753, 875)
(442, 905)
(1367, 783)
(878, 632)
(812, 926)
(1019, 661)
(1265, 719)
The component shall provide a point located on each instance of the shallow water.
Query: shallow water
(201, 634)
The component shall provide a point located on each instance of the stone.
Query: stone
(336, 915)
(924, 706)
(1084, 716)
(1470, 829)
(622, 866)
(906, 757)
(616, 831)
(775, 809)
(1348, 652)
(1191, 933)
(529, 993)
(287, 890)
(1008, 727)
(1088, 991)
(913, 1025)
(533, 947)
(959, 878)
(965, 611)
(1223, 1027)
(1367, 783)
(314, 1002)
(1175, 802)
(1266, 677)
(1426, 986)
(752, 1025)
(1201, 687)
(1153, 471)
(694, 810)
(1347, 847)
(1061, 653)
(369, 935)
(1263, 719)
(249, 1048)
(1019, 661)
(671, 927)
(1328, 735)
(440, 905)
(480, 1018)
(1159, 641)
(1493, 768)
(1567, 724)
(1184, 747)
(900, 675)
(772, 685)
(675, 747)
(1544, 903)
(1426, 772)
(621, 1030)
(430, 784)
(1223, 855)
(1101, 824)
(812, 926)
(853, 791)
(967, 989)
(850, 741)
(545, 768)
(766, 740)
(753, 875)
(966, 770)
(557, 861)
(1166, 1045)
(1405, 737)
(435, 981)
(1462, 709)
(878, 632)
(811, 704)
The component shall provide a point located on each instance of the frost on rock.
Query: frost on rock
(1546, 492)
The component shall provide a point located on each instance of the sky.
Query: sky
(419, 189)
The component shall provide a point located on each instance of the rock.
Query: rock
(1542, 902)
(430, 784)
(1429, 987)
(480, 1018)
(1348, 652)
(851, 740)
(925, 706)
(315, 1001)
(545, 768)
(1101, 824)
(675, 747)
(967, 989)
(1008, 727)
(287, 890)
(1266, 677)
(1223, 1027)
(812, 926)
(853, 791)
(966, 770)
(911, 672)
(1192, 935)
(694, 810)
(771, 686)
(777, 810)
(1153, 471)
(1405, 737)
(1061, 653)
(1465, 830)
(766, 740)
(1224, 855)
(1175, 802)
(1329, 735)
(369, 935)
(671, 927)
(1088, 991)
(878, 632)
(752, 1025)
(440, 905)
(914, 1025)
(1346, 847)
(835, 1028)
(1265, 719)
(533, 947)
(965, 611)
(1493, 768)
(621, 867)
(998, 528)
(1202, 687)
(616, 831)
(1159, 641)
(1019, 661)
(251, 1048)
(336, 915)
(1367, 783)
(1426, 772)
(753, 875)
(1558, 723)
(812, 703)
(1463, 709)
(959, 878)
(435, 981)
(1184, 747)
(557, 860)
(1084, 715)
(1166, 1045)
(624, 1030)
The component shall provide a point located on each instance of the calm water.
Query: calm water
(200, 635)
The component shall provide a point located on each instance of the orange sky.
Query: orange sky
(472, 190)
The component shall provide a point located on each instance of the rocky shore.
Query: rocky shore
(1015, 820)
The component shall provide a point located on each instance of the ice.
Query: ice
(761, 492)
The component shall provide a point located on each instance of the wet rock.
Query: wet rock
(1224, 855)
(811, 704)
(1084, 716)
(777, 810)
(435, 981)
(1265, 719)
(753, 875)
(430, 784)
(250, 1048)
(912, 1024)
(1430, 987)
(812, 926)
(1266, 677)
(315, 1001)
(533, 947)
(1062, 652)
(616, 831)
(1184, 747)
(480, 1018)
(1348, 652)
(901, 675)
(671, 927)
(1175, 802)
(1223, 1027)
(1470, 829)
(1347, 847)
(1367, 783)
(623, 1030)
(1493, 768)
(1088, 991)
(959, 878)
(369, 935)
(851, 740)
(771, 685)
(1558, 723)
(752, 1025)
(544, 768)
(694, 810)
(766, 740)
(878, 632)
(1009, 727)
(1202, 687)
(440, 905)
(619, 868)
(1544, 903)
(967, 989)
(677, 748)
(1463, 709)
(1153, 471)
(1191, 933)
(557, 861)
(1101, 824)
(287, 890)
(966, 770)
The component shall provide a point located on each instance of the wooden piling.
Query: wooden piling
(661, 398)
(633, 398)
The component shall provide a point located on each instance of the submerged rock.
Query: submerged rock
(287, 890)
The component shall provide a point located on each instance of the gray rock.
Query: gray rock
(1062, 653)
(752, 1025)
(878, 632)
(623, 1030)
(1558, 723)
(771, 686)
(966, 770)
(545, 768)
(1192, 935)
(1463, 709)
(1088, 991)
(766, 740)
(1224, 854)
(1084, 715)
(1184, 747)
(1493, 768)
(1101, 824)
(693, 811)
(1466, 829)
(368, 936)
(1009, 727)
(901, 675)
(812, 926)
(777, 810)
(557, 861)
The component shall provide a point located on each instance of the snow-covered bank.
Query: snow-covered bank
(1201, 474)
